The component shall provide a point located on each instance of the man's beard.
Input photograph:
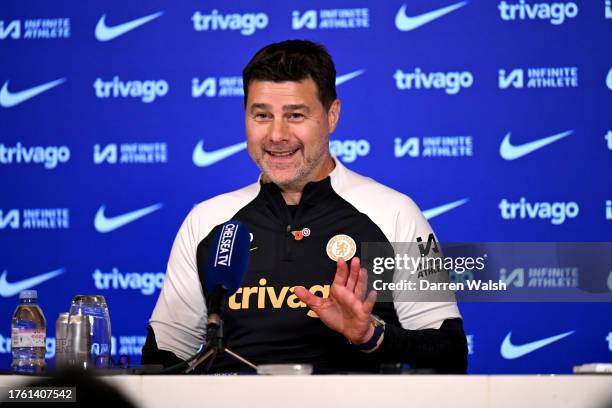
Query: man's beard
(303, 173)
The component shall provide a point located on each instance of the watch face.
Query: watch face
(377, 320)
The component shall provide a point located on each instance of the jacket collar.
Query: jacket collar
(314, 191)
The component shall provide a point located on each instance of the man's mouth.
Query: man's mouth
(282, 153)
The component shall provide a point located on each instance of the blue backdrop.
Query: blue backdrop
(486, 113)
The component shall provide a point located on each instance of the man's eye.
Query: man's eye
(296, 116)
(261, 116)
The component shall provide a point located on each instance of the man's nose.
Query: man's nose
(279, 130)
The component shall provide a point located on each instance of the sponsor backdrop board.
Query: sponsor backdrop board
(117, 118)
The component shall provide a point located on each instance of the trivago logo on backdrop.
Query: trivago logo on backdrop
(451, 82)
(349, 150)
(246, 23)
(48, 157)
(144, 282)
(557, 212)
(147, 91)
(522, 10)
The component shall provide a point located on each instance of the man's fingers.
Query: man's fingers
(341, 273)
(353, 275)
(362, 283)
(312, 301)
(369, 303)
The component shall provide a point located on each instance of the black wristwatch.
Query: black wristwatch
(379, 329)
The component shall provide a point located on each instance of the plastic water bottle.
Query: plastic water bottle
(28, 335)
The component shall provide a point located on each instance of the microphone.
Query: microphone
(228, 258)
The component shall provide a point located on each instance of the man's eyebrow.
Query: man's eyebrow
(259, 105)
(301, 106)
(286, 108)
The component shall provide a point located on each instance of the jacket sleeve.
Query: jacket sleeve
(444, 349)
(178, 322)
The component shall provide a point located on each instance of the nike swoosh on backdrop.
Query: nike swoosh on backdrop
(434, 212)
(105, 224)
(509, 152)
(609, 79)
(202, 158)
(347, 77)
(9, 99)
(8, 289)
(406, 23)
(106, 33)
(510, 351)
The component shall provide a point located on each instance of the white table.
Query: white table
(428, 391)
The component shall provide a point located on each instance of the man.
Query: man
(307, 215)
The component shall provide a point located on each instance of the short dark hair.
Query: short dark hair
(293, 60)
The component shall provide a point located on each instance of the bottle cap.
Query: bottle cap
(28, 294)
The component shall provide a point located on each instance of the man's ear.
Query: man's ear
(333, 115)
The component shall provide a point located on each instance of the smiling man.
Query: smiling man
(304, 297)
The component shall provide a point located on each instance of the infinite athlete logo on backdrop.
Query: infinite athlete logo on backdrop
(345, 18)
(217, 87)
(553, 77)
(35, 218)
(433, 146)
(541, 277)
(35, 29)
(131, 153)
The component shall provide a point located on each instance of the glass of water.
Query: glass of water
(89, 332)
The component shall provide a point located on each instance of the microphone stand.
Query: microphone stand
(215, 345)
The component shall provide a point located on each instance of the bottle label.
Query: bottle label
(27, 338)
